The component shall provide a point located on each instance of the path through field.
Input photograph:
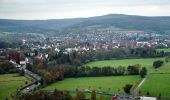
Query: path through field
(136, 90)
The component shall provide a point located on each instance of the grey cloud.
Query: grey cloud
(40, 8)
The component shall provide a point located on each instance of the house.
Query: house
(40, 57)
(14, 56)
(22, 60)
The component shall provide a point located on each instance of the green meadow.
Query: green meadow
(144, 62)
(157, 84)
(157, 81)
(9, 83)
(110, 83)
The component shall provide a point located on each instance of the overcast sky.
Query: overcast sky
(58, 9)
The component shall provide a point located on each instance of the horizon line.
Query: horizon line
(83, 17)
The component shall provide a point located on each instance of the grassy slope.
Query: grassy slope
(147, 62)
(164, 69)
(158, 82)
(113, 82)
(10, 83)
(155, 84)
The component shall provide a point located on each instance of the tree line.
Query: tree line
(52, 72)
(6, 67)
(86, 71)
(79, 58)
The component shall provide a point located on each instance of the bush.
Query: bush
(157, 64)
(143, 72)
(127, 88)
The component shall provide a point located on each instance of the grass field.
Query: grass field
(147, 62)
(164, 69)
(155, 84)
(112, 83)
(164, 49)
(10, 83)
(157, 80)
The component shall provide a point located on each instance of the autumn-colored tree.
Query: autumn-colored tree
(59, 75)
(93, 95)
(48, 77)
(80, 95)
(101, 98)
(40, 66)
(15, 56)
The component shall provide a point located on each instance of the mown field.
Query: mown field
(157, 84)
(145, 62)
(164, 49)
(111, 83)
(164, 69)
(10, 83)
(157, 80)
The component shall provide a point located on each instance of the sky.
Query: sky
(59, 9)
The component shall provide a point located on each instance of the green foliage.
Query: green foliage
(21, 72)
(44, 95)
(143, 72)
(147, 93)
(157, 64)
(127, 88)
(159, 96)
(7, 67)
(77, 59)
(93, 71)
(133, 69)
(164, 49)
(167, 58)
(80, 95)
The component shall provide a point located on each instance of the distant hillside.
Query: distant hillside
(118, 21)
(39, 26)
(155, 24)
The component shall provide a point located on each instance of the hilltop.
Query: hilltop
(114, 22)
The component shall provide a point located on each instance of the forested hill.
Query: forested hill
(53, 25)
(128, 22)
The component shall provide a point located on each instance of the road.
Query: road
(36, 77)
(29, 88)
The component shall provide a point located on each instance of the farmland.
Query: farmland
(112, 83)
(155, 79)
(145, 62)
(9, 83)
(157, 84)
(164, 69)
